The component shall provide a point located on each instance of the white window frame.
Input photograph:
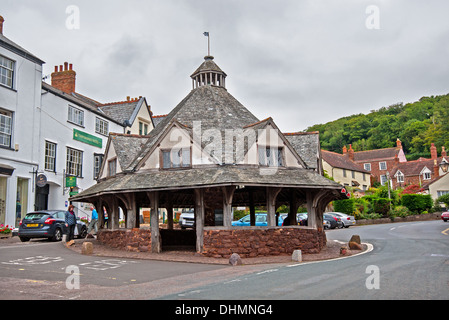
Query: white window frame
(426, 175)
(101, 126)
(75, 116)
(400, 177)
(383, 164)
(7, 72)
(74, 162)
(6, 128)
(178, 158)
(266, 158)
(50, 156)
(367, 166)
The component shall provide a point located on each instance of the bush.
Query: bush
(344, 206)
(444, 199)
(400, 211)
(417, 203)
(381, 206)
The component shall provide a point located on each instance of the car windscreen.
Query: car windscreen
(35, 215)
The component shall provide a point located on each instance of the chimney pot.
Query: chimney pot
(70, 66)
(65, 79)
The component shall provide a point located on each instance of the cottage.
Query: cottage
(210, 153)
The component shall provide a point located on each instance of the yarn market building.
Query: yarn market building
(210, 153)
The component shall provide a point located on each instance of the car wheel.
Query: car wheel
(24, 239)
(58, 235)
(83, 232)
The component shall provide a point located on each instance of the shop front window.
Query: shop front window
(22, 199)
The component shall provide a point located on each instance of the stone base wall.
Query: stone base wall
(223, 241)
(261, 241)
(137, 240)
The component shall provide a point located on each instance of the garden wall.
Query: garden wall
(416, 217)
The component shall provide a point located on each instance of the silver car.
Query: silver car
(345, 218)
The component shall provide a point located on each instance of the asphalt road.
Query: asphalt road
(408, 261)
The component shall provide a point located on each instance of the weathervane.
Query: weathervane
(208, 42)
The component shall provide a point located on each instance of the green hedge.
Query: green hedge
(417, 203)
(344, 206)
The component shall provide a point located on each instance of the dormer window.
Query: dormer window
(271, 156)
(176, 158)
(112, 167)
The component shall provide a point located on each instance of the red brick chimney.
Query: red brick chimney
(351, 152)
(398, 143)
(436, 169)
(1, 24)
(433, 152)
(443, 152)
(64, 79)
(345, 151)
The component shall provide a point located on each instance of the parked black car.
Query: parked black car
(47, 224)
(335, 222)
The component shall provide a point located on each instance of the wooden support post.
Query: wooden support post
(169, 208)
(272, 193)
(113, 216)
(311, 212)
(252, 208)
(154, 222)
(293, 208)
(228, 193)
(199, 218)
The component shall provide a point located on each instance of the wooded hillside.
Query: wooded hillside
(416, 124)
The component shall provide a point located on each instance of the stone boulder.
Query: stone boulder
(87, 248)
(235, 260)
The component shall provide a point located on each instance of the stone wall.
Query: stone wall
(261, 241)
(138, 240)
(416, 217)
(224, 241)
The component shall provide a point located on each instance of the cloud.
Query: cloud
(300, 62)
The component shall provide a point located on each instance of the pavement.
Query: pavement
(331, 251)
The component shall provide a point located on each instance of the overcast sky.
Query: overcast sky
(300, 62)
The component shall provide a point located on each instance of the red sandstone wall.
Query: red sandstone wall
(222, 242)
(253, 241)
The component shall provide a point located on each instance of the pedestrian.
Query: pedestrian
(70, 222)
(93, 221)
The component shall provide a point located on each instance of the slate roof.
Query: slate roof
(341, 161)
(121, 112)
(414, 168)
(211, 176)
(307, 145)
(215, 109)
(379, 154)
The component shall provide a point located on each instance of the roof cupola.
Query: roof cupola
(208, 73)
